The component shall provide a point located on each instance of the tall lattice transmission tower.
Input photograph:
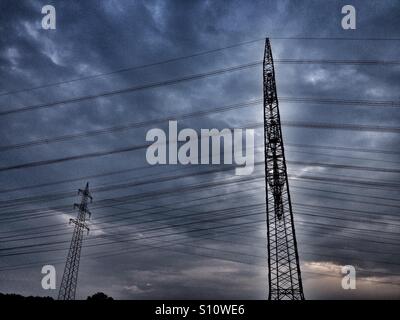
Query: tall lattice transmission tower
(284, 276)
(70, 277)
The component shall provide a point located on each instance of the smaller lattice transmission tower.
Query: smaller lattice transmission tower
(70, 276)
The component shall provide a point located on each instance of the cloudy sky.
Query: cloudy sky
(178, 231)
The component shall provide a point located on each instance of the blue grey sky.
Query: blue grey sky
(146, 247)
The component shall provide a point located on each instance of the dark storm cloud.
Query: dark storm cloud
(101, 36)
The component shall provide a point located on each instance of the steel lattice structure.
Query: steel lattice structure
(284, 275)
(70, 277)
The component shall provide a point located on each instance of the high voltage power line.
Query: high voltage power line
(138, 67)
(55, 196)
(255, 188)
(143, 66)
(136, 198)
(196, 199)
(126, 252)
(340, 156)
(360, 239)
(130, 89)
(132, 68)
(99, 225)
(31, 200)
(97, 244)
(297, 124)
(217, 257)
(171, 82)
(354, 212)
(116, 172)
(227, 108)
(107, 204)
